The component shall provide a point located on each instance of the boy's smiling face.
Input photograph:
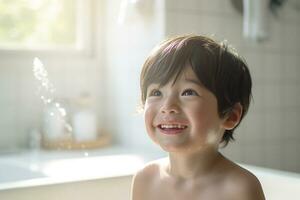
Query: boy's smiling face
(183, 115)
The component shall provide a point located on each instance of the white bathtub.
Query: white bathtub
(103, 174)
(277, 185)
(70, 175)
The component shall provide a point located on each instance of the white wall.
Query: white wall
(269, 135)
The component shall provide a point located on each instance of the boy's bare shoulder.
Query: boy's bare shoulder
(145, 178)
(242, 184)
(151, 169)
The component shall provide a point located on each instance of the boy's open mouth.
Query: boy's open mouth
(172, 128)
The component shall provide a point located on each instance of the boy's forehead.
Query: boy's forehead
(186, 75)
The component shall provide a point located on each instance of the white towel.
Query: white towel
(255, 22)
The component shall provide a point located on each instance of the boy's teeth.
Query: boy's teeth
(172, 126)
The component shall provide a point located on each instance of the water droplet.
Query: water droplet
(46, 91)
(62, 112)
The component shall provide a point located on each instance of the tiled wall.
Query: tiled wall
(269, 135)
(21, 107)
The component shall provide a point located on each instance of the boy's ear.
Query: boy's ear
(233, 117)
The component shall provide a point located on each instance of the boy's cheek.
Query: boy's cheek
(150, 129)
(148, 118)
(147, 107)
(150, 110)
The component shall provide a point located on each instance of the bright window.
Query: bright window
(43, 24)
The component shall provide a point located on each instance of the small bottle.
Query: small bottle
(53, 122)
(84, 120)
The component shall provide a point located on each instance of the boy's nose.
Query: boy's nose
(170, 106)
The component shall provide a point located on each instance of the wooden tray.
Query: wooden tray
(70, 143)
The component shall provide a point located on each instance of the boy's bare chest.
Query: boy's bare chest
(163, 191)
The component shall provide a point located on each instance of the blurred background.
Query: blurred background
(93, 52)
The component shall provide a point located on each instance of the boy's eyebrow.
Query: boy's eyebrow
(153, 85)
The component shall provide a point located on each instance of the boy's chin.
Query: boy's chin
(174, 148)
(187, 149)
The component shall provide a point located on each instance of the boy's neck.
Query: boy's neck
(192, 166)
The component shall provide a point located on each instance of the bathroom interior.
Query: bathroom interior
(71, 125)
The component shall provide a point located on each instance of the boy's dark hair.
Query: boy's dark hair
(219, 68)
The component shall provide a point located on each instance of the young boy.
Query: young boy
(195, 92)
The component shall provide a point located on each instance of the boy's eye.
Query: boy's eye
(155, 92)
(189, 92)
